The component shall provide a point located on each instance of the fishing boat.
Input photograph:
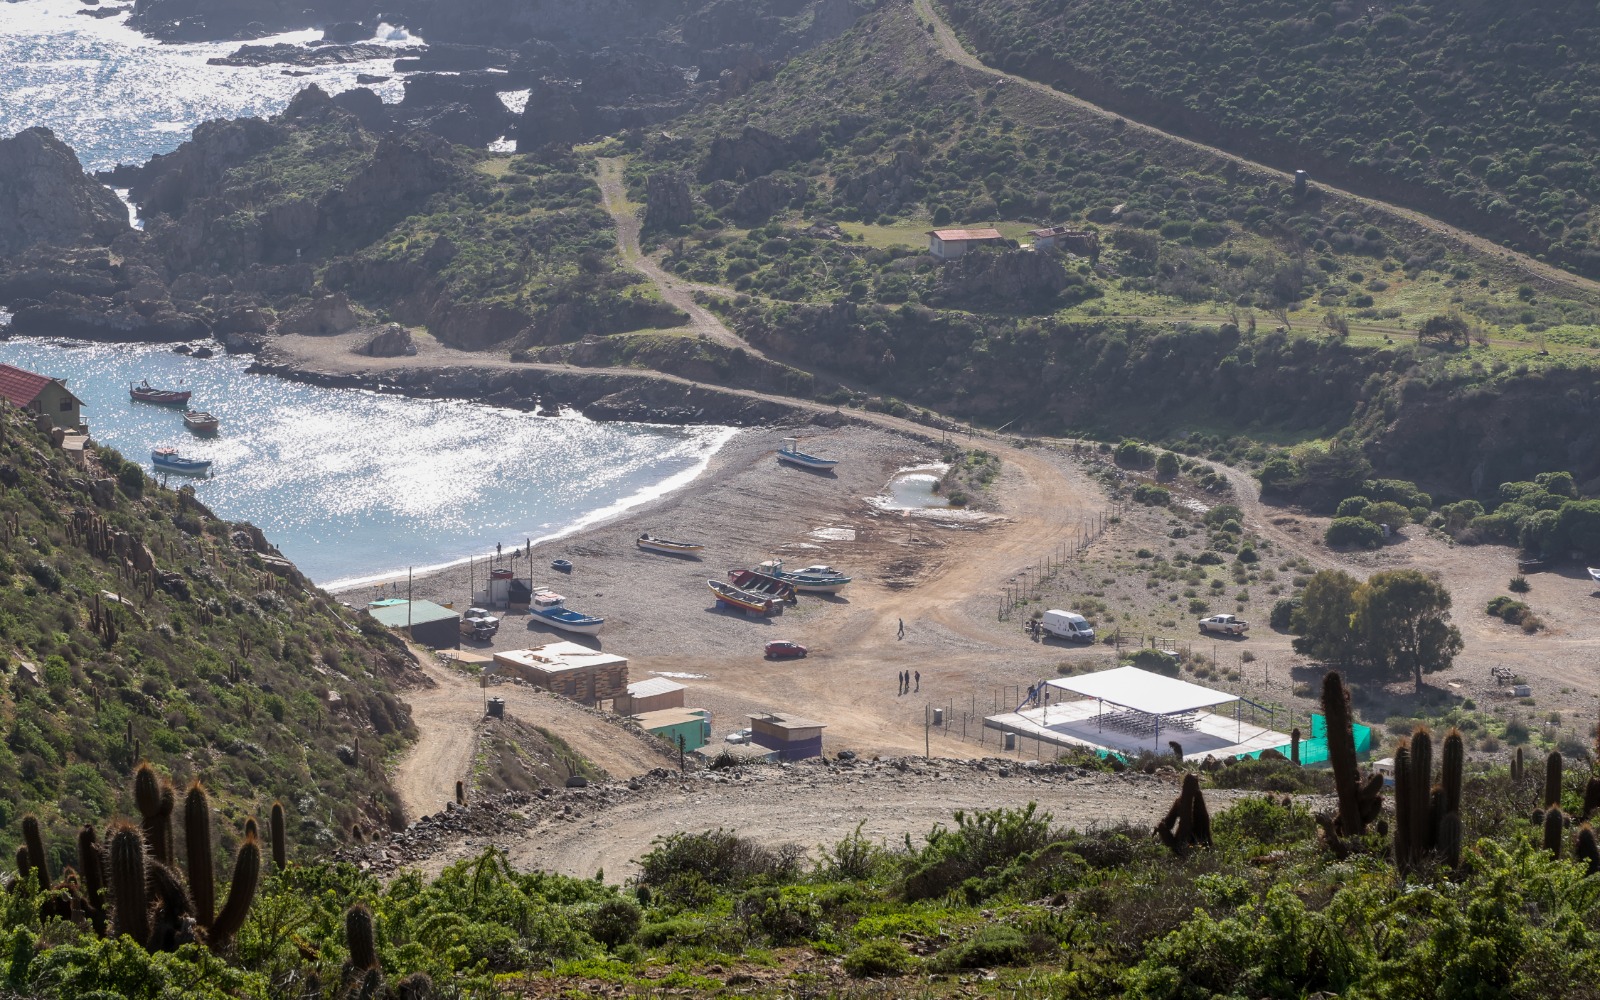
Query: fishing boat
(791, 453)
(1595, 573)
(551, 608)
(733, 597)
(761, 583)
(651, 543)
(200, 421)
(811, 580)
(144, 392)
(168, 460)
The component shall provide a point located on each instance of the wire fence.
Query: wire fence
(1048, 566)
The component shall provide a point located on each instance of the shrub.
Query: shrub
(1283, 613)
(1152, 496)
(1387, 512)
(1518, 585)
(719, 857)
(1155, 661)
(1132, 454)
(1166, 465)
(615, 921)
(1247, 554)
(1222, 513)
(995, 944)
(1352, 506)
(131, 478)
(1354, 532)
(878, 958)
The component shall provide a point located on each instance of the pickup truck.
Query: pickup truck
(1225, 624)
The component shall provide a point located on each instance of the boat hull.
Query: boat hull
(807, 461)
(161, 397)
(820, 586)
(201, 423)
(182, 467)
(743, 600)
(668, 546)
(580, 624)
(760, 583)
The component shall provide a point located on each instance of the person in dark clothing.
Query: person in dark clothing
(918, 676)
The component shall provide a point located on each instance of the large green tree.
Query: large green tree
(1402, 620)
(1322, 621)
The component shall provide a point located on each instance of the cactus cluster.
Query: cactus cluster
(1427, 816)
(132, 885)
(1360, 801)
(1188, 823)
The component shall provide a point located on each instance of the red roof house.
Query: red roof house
(41, 394)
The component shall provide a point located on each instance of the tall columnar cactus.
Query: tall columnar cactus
(1591, 797)
(1422, 822)
(241, 893)
(1552, 779)
(130, 906)
(280, 838)
(1554, 823)
(197, 851)
(360, 938)
(33, 842)
(1516, 765)
(155, 801)
(1404, 834)
(1294, 745)
(91, 860)
(1188, 823)
(1454, 762)
(1585, 849)
(1342, 754)
(461, 792)
(1450, 839)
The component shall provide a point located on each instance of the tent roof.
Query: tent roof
(653, 686)
(1143, 691)
(419, 613)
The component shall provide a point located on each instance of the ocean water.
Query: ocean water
(116, 96)
(355, 485)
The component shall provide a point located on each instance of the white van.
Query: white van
(1068, 625)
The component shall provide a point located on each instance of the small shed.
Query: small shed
(41, 394)
(585, 675)
(428, 623)
(747, 752)
(948, 244)
(650, 695)
(692, 724)
(790, 736)
(1083, 242)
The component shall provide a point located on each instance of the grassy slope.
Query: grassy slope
(228, 684)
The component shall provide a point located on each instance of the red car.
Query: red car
(783, 649)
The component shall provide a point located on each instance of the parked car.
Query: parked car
(479, 624)
(1224, 625)
(783, 649)
(738, 736)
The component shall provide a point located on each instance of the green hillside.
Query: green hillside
(1486, 114)
(134, 625)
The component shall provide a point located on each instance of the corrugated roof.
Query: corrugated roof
(21, 386)
(414, 613)
(664, 717)
(652, 687)
(966, 234)
(1143, 691)
(783, 720)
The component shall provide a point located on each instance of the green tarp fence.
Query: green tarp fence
(1314, 750)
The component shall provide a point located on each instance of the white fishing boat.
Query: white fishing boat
(550, 608)
(651, 543)
(811, 580)
(791, 453)
(168, 460)
(1595, 573)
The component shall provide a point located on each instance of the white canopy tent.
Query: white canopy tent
(1146, 700)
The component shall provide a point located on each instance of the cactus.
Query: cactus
(197, 849)
(154, 799)
(359, 936)
(461, 791)
(1554, 822)
(250, 828)
(241, 893)
(92, 861)
(1516, 765)
(1188, 823)
(1450, 839)
(1404, 817)
(1422, 821)
(1294, 745)
(1591, 797)
(1552, 779)
(174, 913)
(130, 907)
(1455, 755)
(33, 841)
(1342, 753)
(280, 838)
(1585, 849)
(417, 986)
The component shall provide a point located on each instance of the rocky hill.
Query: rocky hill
(45, 196)
(134, 624)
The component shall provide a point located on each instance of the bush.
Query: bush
(615, 921)
(1167, 465)
(1222, 513)
(1388, 512)
(1247, 554)
(1155, 661)
(1134, 455)
(719, 857)
(1352, 506)
(1514, 612)
(1354, 533)
(878, 958)
(1283, 613)
(995, 944)
(131, 478)
(1152, 496)
(1519, 585)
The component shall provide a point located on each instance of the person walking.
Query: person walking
(918, 676)
(902, 633)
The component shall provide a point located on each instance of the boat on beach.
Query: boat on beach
(1595, 573)
(551, 608)
(744, 600)
(651, 543)
(168, 460)
(200, 421)
(760, 583)
(812, 580)
(790, 452)
(144, 392)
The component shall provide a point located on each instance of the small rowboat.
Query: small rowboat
(791, 453)
(144, 392)
(745, 601)
(168, 460)
(550, 608)
(760, 583)
(200, 421)
(651, 543)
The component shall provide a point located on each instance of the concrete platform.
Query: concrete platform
(1076, 723)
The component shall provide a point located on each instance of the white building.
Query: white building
(948, 244)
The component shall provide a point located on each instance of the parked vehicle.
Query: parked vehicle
(1224, 625)
(783, 649)
(738, 736)
(479, 624)
(1067, 625)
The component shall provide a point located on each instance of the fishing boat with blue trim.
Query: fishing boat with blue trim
(743, 600)
(168, 460)
(551, 608)
(791, 453)
(812, 580)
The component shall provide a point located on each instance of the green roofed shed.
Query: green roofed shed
(431, 624)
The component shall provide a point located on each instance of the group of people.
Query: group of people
(908, 678)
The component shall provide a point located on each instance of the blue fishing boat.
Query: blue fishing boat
(550, 608)
(168, 460)
(791, 453)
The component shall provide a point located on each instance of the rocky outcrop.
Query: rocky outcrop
(465, 109)
(325, 315)
(668, 201)
(45, 197)
(286, 54)
(558, 111)
(754, 152)
(1001, 276)
(65, 315)
(393, 341)
(887, 187)
(765, 197)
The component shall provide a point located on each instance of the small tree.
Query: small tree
(1167, 465)
(1336, 325)
(1402, 619)
(1353, 532)
(1321, 621)
(1388, 512)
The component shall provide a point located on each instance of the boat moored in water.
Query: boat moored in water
(651, 543)
(200, 421)
(550, 608)
(168, 460)
(144, 392)
(790, 452)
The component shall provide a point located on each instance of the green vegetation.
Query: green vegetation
(145, 627)
(1393, 626)
(1483, 114)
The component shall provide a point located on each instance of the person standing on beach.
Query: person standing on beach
(918, 676)
(902, 633)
